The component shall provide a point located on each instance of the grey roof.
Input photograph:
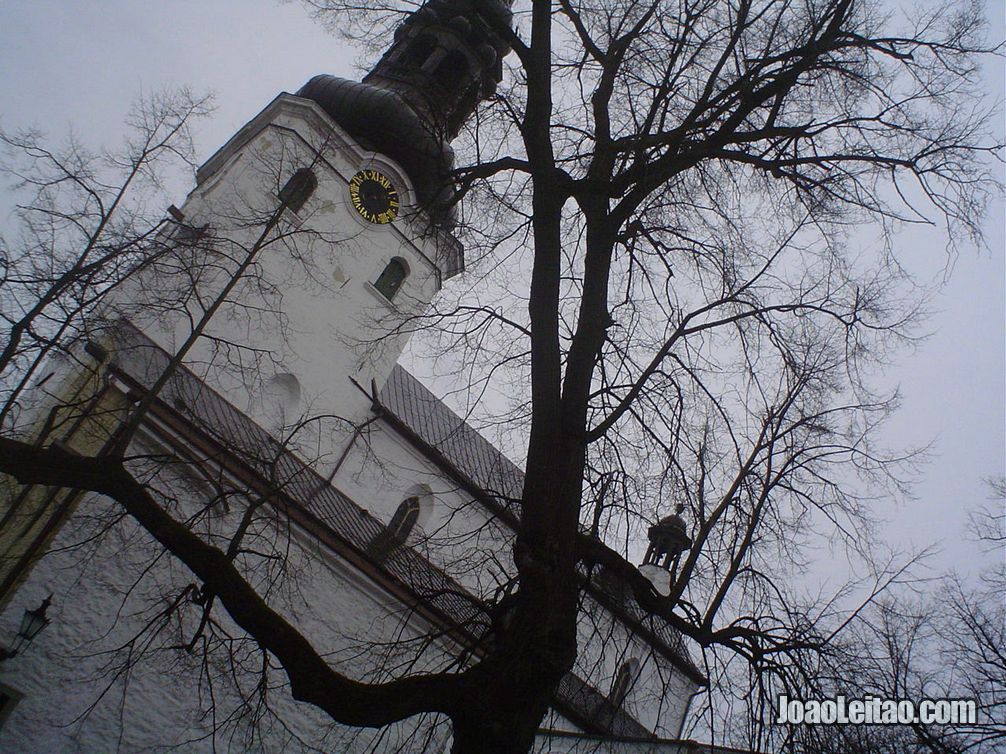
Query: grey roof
(480, 462)
(480, 465)
(310, 499)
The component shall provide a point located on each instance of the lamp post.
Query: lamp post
(32, 623)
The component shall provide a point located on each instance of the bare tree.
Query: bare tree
(680, 180)
(84, 223)
(945, 644)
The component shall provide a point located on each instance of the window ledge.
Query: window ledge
(381, 297)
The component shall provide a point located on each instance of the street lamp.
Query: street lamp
(32, 623)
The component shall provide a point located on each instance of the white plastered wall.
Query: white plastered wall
(307, 308)
(100, 601)
(308, 315)
(380, 469)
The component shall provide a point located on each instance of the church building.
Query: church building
(261, 340)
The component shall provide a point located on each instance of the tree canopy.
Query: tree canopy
(660, 207)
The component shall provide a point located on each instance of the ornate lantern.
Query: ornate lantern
(32, 623)
(668, 539)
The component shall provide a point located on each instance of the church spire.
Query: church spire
(446, 58)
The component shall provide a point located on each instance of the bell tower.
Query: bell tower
(360, 174)
(282, 291)
(446, 58)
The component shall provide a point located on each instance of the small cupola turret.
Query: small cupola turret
(668, 540)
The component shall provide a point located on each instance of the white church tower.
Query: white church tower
(258, 347)
(334, 206)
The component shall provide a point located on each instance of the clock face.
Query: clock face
(374, 196)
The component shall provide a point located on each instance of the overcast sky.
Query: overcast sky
(79, 65)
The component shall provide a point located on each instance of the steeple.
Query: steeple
(445, 59)
(669, 540)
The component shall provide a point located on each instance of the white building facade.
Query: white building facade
(366, 512)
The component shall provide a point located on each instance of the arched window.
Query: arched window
(398, 530)
(298, 189)
(404, 519)
(419, 50)
(281, 397)
(392, 278)
(451, 70)
(624, 679)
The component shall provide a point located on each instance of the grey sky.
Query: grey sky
(80, 65)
